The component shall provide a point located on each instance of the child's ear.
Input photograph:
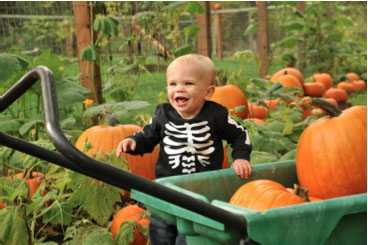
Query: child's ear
(210, 91)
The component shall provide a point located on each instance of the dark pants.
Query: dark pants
(163, 233)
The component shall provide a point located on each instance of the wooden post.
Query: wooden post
(218, 30)
(90, 76)
(204, 35)
(69, 50)
(301, 47)
(262, 38)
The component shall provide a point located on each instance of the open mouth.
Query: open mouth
(180, 100)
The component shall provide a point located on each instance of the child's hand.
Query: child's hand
(125, 145)
(242, 168)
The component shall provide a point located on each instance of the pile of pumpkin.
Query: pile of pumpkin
(318, 85)
(331, 159)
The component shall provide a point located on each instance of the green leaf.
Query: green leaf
(194, 8)
(13, 225)
(289, 155)
(95, 197)
(68, 123)
(186, 49)
(294, 25)
(10, 65)
(25, 128)
(91, 235)
(289, 42)
(9, 125)
(262, 157)
(251, 29)
(125, 235)
(89, 53)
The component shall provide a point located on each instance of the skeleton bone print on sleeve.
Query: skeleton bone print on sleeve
(187, 144)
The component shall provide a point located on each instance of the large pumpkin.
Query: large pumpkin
(131, 213)
(331, 157)
(104, 139)
(233, 98)
(264, 194)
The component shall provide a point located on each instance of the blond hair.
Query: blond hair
(204, 63)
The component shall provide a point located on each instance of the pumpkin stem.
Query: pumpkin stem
(330, 109)
(111, 120)
(302, 192)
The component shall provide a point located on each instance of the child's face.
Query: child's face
(187, 89)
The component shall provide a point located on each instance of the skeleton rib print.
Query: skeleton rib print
(188, 144)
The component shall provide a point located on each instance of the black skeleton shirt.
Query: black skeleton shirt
(193, 145)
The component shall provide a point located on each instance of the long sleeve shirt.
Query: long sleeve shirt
(193, 145)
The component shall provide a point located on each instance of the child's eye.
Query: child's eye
(189, 83)
(172, 83)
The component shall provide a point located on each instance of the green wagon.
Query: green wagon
(340, 220)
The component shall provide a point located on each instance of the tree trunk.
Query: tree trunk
(90, 76)
(204, 35)
(218, 33)
(262, 38)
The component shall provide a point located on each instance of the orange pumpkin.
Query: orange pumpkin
(338, 94)
(289, 81)
(231, 97)
(359, 85)
(2, 205)
(257, 111)
(331, 157)
(348, 87)
(33, 181)
(131, 213)
(264, 194)
(323, 78)
(288, 71)
(352, 76)
(104, 139)
(272, 103)
(314, 89)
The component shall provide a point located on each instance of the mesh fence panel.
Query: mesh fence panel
(32, 26)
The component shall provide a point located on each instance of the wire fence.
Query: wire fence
(33, 26)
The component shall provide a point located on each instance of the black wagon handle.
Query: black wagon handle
(71, 158)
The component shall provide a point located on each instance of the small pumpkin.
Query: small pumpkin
(264, 194)
(34, 180)
(314, 89)
(347, 86)
(131, 213)
(257, 111)
(288, 71)
(352, 76)
(331, 157)
(359, 85)
(233, 98)
(338, 94)
(272, 103)
(289, 81)
(323, 78)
